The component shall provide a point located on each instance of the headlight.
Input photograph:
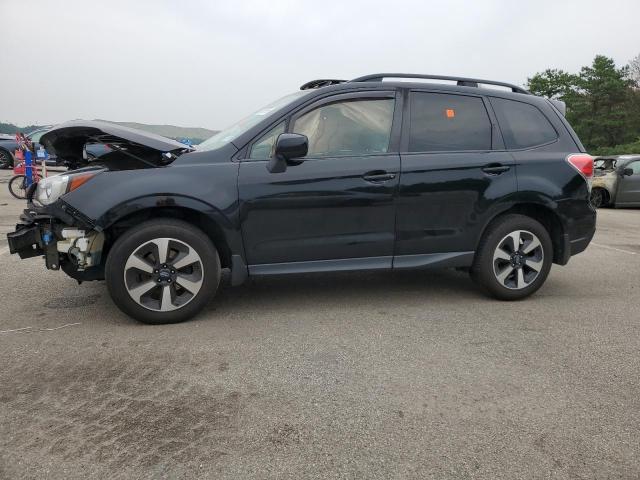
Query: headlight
(51, 188)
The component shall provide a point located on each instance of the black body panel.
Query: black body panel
(212, 192)
(446, 199)
(321, 209)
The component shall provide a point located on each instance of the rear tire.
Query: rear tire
(18, 187)
(162, 271)
(514, 257)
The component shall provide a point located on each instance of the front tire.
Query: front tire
(514, 257)
(162, 271)
(599, 198)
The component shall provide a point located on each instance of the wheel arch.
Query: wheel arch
(11, 156)
(544, 214)
(210, 226)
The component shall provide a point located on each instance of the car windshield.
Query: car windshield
(237, 129)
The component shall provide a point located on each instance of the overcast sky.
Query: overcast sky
(208, 63)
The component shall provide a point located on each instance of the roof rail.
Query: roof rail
(321, 82)
(462, 81)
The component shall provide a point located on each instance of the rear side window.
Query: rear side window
(522, 124)
(443, 122)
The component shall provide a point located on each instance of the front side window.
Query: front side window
(443, 122)
(350, 127)
(522, 124)
(263, 148)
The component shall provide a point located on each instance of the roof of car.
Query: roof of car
(409, 80)
(495, 89)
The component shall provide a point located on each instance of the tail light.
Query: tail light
(583, 163)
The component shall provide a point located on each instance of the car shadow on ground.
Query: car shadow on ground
(318, 290)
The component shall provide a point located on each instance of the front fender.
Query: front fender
(208, 189)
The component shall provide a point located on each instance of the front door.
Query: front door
(629, 186)
(334, 209)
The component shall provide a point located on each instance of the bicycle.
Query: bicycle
(18, 183)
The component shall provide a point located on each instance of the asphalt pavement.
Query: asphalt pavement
(368, 375)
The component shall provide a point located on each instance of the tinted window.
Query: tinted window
(262, 149)
(522, 125)
(441, 122)
(356, 127)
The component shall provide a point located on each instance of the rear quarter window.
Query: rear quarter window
(523, 125)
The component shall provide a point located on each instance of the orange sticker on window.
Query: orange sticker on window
(450, 113)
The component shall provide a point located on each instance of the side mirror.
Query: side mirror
(288, 146)
(627, 172)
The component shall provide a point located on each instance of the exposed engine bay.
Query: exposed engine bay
(83, 248)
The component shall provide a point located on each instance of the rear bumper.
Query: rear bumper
(580, 244)
(580, 232)
(578, 220)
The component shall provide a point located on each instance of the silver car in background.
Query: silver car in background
(616, 181)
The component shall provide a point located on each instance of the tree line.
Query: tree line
(603, 103)
(10, 128)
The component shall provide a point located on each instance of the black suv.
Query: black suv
(387, 171)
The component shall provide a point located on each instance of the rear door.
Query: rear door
(451, 177)
(335, 208)
(629, 186)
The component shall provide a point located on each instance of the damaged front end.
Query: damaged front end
(51, 227)
(67, 240)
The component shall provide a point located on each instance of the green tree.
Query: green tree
(601, 111)
(552, 83)
(602, 105)
(10, 128)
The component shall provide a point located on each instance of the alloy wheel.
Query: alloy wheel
(518, 259)
(163, 274)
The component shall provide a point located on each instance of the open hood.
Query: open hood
(67, 140)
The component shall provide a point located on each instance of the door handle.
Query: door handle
(495, 168)
(378, 176)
